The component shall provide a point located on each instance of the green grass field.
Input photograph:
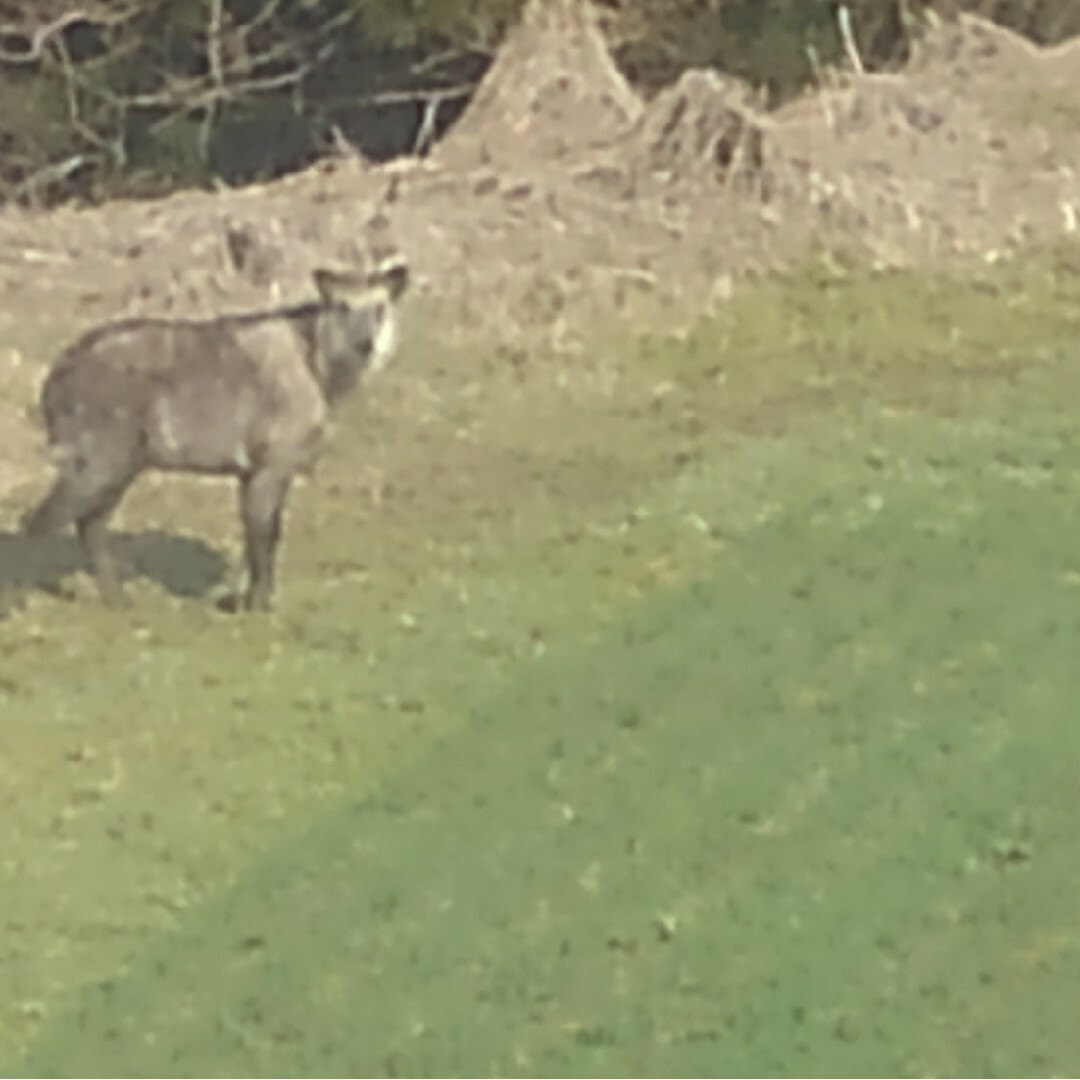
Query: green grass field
(685, 707)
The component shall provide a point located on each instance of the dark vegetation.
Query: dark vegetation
(101, 99)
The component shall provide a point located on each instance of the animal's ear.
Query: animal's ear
(335, 286)
(392, 273)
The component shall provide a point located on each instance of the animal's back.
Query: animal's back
(117, 368)
(201, 395)
(108, 371)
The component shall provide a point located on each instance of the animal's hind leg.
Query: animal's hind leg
(262, 502)
(91, 477)
(89, 507)
(92, 528)
(53, 512)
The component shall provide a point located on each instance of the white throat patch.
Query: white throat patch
(386, 339)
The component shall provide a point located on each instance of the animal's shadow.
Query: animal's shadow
(182, 565)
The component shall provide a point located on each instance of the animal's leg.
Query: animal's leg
(262, 502)
(53, 512)
(92, 528)
(92, 473)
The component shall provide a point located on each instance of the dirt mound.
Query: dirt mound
(705, 127)
(968, 46)
(1015, 80)
(884, 124)
(909, 167)
(552, 91)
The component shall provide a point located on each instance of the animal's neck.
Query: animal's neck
(305, 323)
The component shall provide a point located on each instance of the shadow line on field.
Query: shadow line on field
(182, 565)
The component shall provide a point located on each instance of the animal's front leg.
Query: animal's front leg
(262, 503)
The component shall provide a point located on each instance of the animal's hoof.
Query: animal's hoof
(235, 603)
(229, 604)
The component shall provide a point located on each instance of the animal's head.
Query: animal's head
(357, 320)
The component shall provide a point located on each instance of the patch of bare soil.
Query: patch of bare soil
(560, 193)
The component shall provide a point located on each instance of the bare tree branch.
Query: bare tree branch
(196, 94)
(41, 37)
(847, 36)
(27, 189)
(437, 60)
(217, 76)
(144, 68)
(260, 18)
(113, 147)
(404, 97)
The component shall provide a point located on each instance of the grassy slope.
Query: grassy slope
(722, 723)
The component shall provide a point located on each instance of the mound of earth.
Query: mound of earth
(971, 48)
(705, 127)
(918, 165)
(553, 91)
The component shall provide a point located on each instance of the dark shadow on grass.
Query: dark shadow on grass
(183, 565)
